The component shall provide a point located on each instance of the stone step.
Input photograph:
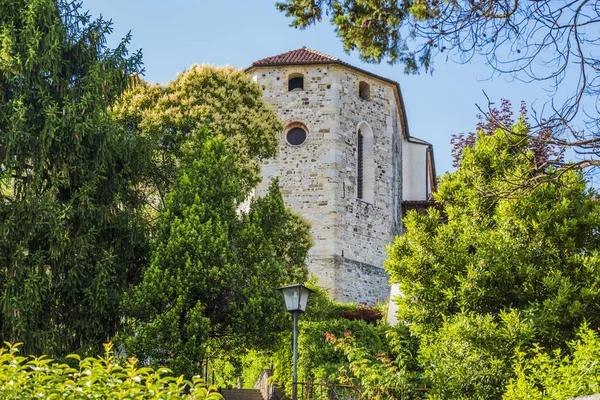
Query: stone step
(241, 394)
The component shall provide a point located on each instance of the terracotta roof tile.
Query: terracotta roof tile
(295, 57)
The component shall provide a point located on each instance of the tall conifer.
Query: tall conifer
(69, 226)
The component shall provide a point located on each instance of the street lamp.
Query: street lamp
(295, 298)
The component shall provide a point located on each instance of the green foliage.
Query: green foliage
(470, 355)
(102, 377)
(70, 226)
(379, 372)
(540, 375)
(320, 361)
(211, 286)
(223, 100)
(252, 365)
(376, 29)
(378, 360)
(509, 261)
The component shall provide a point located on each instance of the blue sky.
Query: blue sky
(178, 33)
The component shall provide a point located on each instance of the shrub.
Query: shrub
(470, 355)
(558, 375)
(344, 345)
(102, 377)
(371, 314)
(388, 373)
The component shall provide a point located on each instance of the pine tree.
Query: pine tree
(70, 228)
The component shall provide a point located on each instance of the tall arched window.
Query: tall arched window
(295, 82)
(359, 164)
(365, 163)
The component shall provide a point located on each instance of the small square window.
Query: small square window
(364, 90)
(295, 82)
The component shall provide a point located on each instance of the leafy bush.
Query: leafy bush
(470, 355)
(103, 377)
(389, 373)
(371, 314)
(361, 353)
(341, 344)
(543, 376)
(319, 360)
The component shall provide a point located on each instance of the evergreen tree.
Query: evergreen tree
(70, 229)
(211, 285)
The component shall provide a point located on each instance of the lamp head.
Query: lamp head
(295, 297)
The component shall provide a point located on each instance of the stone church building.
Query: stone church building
(347, 163)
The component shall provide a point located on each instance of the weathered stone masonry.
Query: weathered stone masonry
(319, 177)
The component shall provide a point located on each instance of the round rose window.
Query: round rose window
(296, 136)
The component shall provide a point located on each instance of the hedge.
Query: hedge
(92, 378)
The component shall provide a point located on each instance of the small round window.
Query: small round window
(296, 136)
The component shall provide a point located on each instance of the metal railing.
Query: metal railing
(331, 391)
(327, 391)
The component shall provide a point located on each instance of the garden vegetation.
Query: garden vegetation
(92, 377)
(126, 208)
(127, 213)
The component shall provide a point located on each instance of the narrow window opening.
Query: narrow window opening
(359, 166)
(364, 90)
(365, 164)
(295, 82)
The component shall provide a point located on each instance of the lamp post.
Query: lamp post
(295, 298)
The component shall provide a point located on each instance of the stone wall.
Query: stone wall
(366, 227)
(357, 282)
(318, 177)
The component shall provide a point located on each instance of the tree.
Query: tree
(490, 272)
(224, 100)
(210, 288)
(69, 220)
(548, 41)
(544, 153)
